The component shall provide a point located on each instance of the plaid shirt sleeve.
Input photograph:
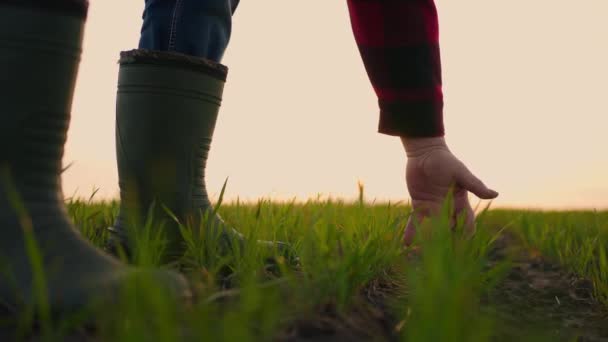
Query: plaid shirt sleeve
(399, 44)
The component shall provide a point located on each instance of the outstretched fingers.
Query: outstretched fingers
(425, 209)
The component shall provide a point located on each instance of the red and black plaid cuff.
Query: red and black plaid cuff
(399, 44)
(414, 119)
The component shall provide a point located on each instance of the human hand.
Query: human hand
(430, 173)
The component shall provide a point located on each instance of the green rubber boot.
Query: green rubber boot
(166, 111)
(40, 51)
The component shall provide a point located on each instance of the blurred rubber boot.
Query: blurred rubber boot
(40, 46)
(166, 111)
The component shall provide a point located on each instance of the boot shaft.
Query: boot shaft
(167, 107)
(76, 8)
(39, 56)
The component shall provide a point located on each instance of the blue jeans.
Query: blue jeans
(194, 27)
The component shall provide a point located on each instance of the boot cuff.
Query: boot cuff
(142, 56)
(77, 8)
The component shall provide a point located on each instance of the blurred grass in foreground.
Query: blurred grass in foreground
(345, 249)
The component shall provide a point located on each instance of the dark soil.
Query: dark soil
(369, 320)
(539, 296)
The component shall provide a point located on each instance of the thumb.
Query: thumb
(469, 182)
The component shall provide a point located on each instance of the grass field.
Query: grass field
(525, 275)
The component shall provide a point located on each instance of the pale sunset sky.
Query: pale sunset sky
(525, 87)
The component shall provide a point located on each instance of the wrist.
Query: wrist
(415, 147)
